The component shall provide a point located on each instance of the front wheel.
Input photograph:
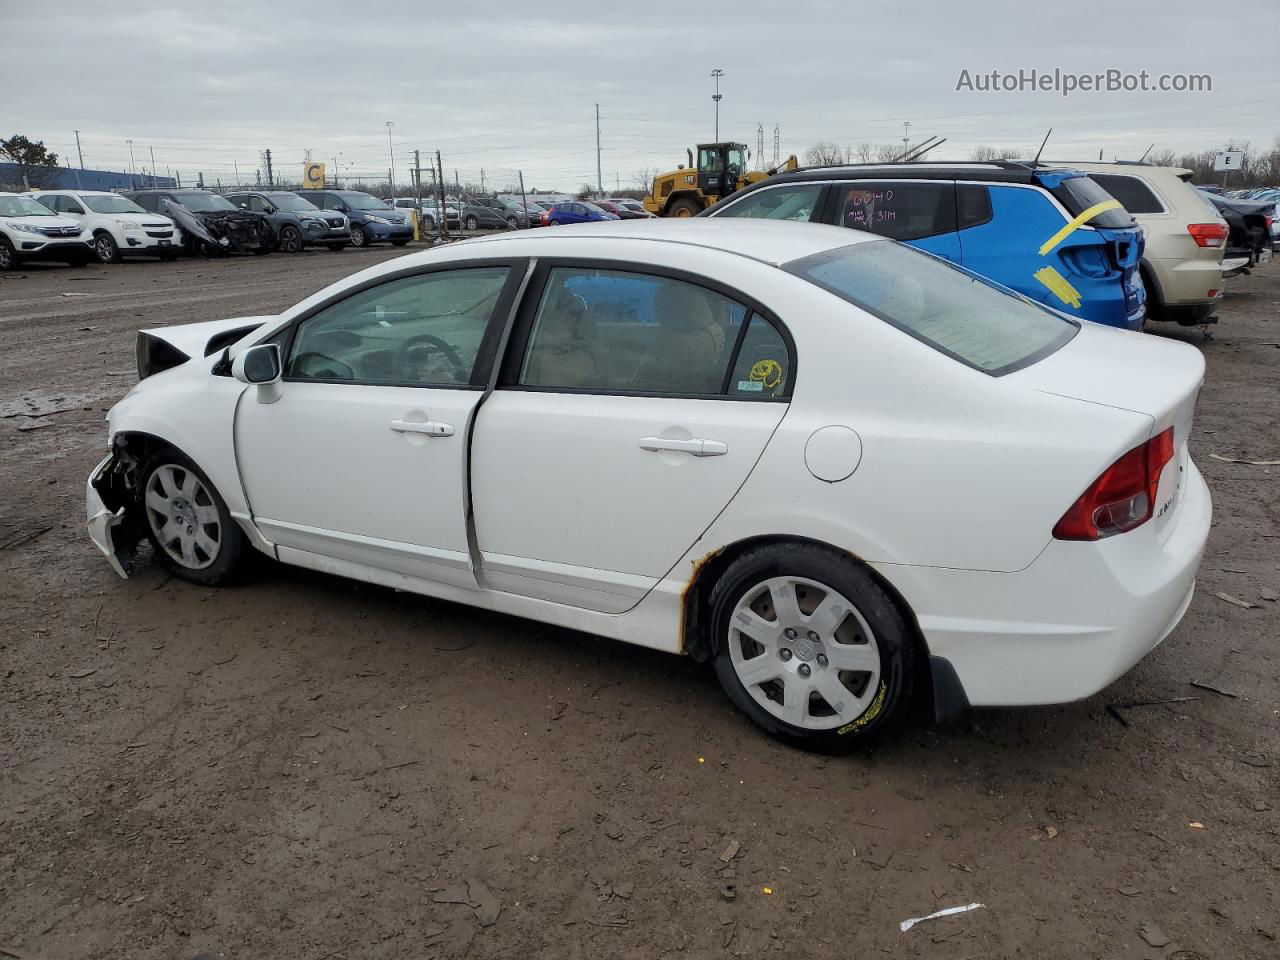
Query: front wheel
(358, 237)
(8, 258)
(105, 248)
(337, 247)
(428, 223)
(810, 646)
(471, 223)
(684, 208)
(290, 239)
(188, 523)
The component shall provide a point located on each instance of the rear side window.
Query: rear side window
(796, 202)
(952, 310)
(1136, 196)
(902, 210)
(973, 205)
(1078, 194)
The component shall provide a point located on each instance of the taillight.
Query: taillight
(1123, 497)
(1208, 234)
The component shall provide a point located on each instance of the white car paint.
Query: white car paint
(943, 479)
(133, 231)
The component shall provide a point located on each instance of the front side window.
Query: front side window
(257, 204)
(611, 331)
(416, 331)
(902, 210)
(952, 310)
(710, 160)
(777, 203)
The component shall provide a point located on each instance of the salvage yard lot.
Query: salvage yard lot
(306, 767)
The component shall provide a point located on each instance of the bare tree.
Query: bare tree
(643, 178)
(983, 153)
(1162, 158)
(825, 153)
(862, 153)
(887, 152)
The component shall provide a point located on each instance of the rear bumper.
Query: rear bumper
(1188, 282)
(1071, 623)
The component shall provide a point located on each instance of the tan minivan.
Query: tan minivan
(1186, 238)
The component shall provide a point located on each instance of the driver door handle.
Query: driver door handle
(432, 428)
(697, 447)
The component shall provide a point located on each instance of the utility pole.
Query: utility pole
(760, 145)
(79, 153)
(132, 168)
(777, 142)
(717, 73)
(599, 179)
(482, 190)
(393, 157)
(524, 203)
(153, 166)
(417, 179)
(270, 175)
(335, 174)
(906, 135)
(443, 211)
(237, 166)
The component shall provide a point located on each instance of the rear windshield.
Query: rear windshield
(1078, 194)
(1136, 196)
(956, 312)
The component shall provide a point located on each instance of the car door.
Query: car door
(921, 213)
(632, 405)
(363, 456)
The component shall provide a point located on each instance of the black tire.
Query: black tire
(1155, 308)
(8, 257)
(893, 638)
(231, 541)
(358, 237)
(471, 223)
(169, 255)
(683, 207)
(290, 240)
(513, 223)
(400, 243)
(428, 223)
(336, 247)
(78, 259)
(106, 248)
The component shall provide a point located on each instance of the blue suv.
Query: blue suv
(1050, 233)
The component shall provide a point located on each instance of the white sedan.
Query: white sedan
(845, 472)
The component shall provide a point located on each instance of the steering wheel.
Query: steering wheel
(320, 366)
(408, 364)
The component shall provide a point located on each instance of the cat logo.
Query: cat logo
(313, 176)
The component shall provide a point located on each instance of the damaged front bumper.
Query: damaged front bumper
(107, 497)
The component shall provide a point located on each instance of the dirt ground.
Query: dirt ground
(305, 767)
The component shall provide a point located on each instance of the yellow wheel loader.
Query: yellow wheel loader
(721, 172)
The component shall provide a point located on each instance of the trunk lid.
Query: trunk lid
(1157, 378)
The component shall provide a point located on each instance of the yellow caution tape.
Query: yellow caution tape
(1078, 222)
(1058, 285)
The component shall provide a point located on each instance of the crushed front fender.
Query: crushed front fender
(102, 521)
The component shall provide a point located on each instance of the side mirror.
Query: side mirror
(260, 365)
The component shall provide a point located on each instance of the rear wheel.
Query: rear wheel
(105, 248)
(811, 647)
(188, 523)
(290, 239)
(684, 208)
(428, 223)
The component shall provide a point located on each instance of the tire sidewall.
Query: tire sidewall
(233, 542)
(358, 237)
(111, 253)
(11, 261)
(291, 239)
(898, 653)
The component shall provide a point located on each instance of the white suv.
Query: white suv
(1186, 237)
(116, 224)
(30, 231)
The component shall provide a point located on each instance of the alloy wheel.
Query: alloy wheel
(105, 248)
(182, 516)
(290, 240)
(804, 653)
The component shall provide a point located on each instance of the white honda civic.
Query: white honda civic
(845, 472)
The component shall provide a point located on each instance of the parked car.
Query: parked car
(509, 210)
(575, 211)
(211, 225)
(619, 211)
(630, 209)
(31, 231)
(118, 226)
(428, 211)
(1186, 237)
(834, 466)
(1249, 226)
(371, 220)
(298, 223)
(1016, 223)
(477, 216)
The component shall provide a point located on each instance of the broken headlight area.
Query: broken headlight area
(115, 513)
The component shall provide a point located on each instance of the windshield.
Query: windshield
(113, 204)
(22, 207)
(593, 208)
(291, 201)
(956, 312)
(204, 202)
(362, 201)
(1078, 194)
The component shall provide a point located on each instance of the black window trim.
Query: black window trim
(485, 355)
(991, 212)
(819, 208)
(518, 343)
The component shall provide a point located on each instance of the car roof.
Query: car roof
(1007, 171)
(768, 241)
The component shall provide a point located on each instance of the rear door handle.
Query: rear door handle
(432, 428)
(697, 447)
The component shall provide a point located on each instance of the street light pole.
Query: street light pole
(717, 73)
(393, 156)
(132, 174)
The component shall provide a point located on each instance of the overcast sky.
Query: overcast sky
(509, 87)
